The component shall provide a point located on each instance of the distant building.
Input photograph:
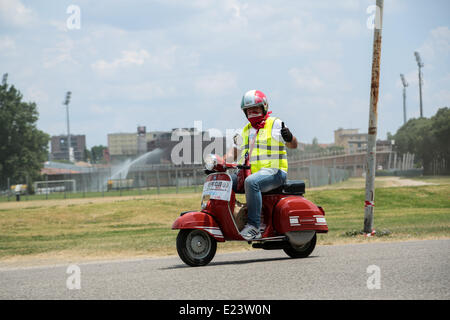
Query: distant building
(128, 145)
(350, 139)
(353, 141)
(120, 144)
(123, 146)
(59, 147)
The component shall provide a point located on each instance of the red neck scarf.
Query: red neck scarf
(259, 122)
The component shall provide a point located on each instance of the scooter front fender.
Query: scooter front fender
(199, 220)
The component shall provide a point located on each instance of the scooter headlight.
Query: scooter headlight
(210, 162)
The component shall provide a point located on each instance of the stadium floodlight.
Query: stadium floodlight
(418, 59)
(420, 66)
(68, 95)
(69, 147)
(405, 84)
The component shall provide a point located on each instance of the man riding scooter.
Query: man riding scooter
(264, 141)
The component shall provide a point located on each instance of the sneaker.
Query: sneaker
(250, 232)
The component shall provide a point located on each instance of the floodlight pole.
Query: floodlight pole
(373, 118)
(420, 66)
(405, 84)
(66, 103)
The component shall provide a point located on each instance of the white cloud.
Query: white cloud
(7, 44)
(36, 94)
(144, 91)
(326, 74)
(61, 53)
(442, 98)
(100, 110)
(349, 28)
(305, 78)
(437, 44)
(350, 4)
(201, 4)
(14, 13)
(162, 59)
(128, 58)
(216, 84)
(59, 25)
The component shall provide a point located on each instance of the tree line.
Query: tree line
(23, 147)
(429, 140)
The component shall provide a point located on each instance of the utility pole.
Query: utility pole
(405, 84)
(420, 66)
(69, 149)
(373, 118)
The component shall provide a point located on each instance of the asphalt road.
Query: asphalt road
(397, 270)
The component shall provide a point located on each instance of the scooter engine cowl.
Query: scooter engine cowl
(298, 214)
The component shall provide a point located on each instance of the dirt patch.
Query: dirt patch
(380, 182)
(403, 182)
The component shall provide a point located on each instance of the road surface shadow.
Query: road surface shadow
(235, 262)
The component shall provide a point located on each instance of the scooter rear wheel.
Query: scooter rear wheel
(301, 251)
(196, 247)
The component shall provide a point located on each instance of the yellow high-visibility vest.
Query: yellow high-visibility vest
(267, 152)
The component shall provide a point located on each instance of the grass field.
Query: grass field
(113, 193)
(138, 226)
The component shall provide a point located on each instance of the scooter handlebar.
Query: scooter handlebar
(236, 165)
(225, 167)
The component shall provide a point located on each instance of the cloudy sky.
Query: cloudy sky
(167, 63)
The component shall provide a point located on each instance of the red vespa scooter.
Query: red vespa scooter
(291, 221)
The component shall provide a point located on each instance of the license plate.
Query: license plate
(218, 190)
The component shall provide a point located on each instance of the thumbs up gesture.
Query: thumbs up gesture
(286, 133)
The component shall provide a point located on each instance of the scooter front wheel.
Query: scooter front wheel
(196, 247)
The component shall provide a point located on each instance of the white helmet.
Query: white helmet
(254, 98)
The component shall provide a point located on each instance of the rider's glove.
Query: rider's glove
(286, 133)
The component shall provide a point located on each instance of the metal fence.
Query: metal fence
(316, 176)
(143, 179)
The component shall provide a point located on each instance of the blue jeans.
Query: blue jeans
(264, 180)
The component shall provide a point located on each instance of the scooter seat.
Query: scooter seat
(296, 187)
